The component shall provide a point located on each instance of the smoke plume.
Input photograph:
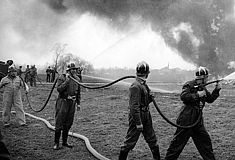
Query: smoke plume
(202, 31)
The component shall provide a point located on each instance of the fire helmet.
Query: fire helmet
(142, 68)
(9, 62)
(71, 66)
(202, 72)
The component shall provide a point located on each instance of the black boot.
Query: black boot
(156, 153)
(65, 135)
(123, 155)
(57, 140)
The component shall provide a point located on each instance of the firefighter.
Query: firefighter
(194, 99)
(68, 99)
(12, 97)
(140, 120)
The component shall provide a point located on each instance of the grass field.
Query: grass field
(104, 120)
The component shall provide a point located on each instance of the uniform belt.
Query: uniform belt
(71, 97)
(144, 109)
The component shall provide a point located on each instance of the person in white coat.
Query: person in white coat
(11, 85)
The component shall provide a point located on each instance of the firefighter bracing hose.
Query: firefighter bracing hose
(120, 79)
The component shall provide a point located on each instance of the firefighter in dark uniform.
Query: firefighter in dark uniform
(69, 96)
(140, 120)
(194, 98)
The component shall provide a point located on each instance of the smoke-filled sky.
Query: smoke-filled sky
(111, 33)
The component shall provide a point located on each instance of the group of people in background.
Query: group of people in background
(30, 74)
(51, 72)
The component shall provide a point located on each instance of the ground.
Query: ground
(103, 119)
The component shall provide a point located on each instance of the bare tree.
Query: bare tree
(58, 49)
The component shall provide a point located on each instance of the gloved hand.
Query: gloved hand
(218, 86)
(78, 106)
(67, 78)
(139, 127)
(201, 93)
(152, 95)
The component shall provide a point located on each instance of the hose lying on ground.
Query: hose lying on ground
(76, 135)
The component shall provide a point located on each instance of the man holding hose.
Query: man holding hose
(68, 98)
(194, 96)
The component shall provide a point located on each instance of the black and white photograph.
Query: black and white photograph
(117, 80)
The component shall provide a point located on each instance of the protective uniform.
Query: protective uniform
(12, 97)
(69, 95)
(188, 115)
(139, 114)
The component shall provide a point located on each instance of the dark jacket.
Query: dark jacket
(192, 102)
(68, 88)
(139, 99)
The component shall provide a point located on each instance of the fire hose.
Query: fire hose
(154, 102)
(122, 78)
(76, 135)
(48, 98)
(89, 147)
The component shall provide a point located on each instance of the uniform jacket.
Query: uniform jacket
(11, 85)
(68, 88)
(189, 96)
(139, 99)
(11, 93)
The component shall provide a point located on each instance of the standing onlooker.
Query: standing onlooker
(48, 72)
(53, 72)
(27, 75)
(19, 71)
(140, 120)
(194, 100)
(69, 96)
(33, 75)
(12, 97)
(79, 72)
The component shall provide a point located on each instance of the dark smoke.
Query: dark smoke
(214, 52)
(37, 24)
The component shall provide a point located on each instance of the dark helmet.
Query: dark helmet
(71, 66)
(202, 72)
(142, 68)
(9, 62)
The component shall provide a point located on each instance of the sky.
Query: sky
(109, 35)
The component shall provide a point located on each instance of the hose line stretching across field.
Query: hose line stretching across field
(76, 135)
(154, 102)
(109, 84)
